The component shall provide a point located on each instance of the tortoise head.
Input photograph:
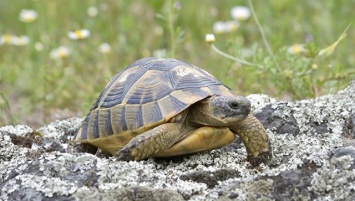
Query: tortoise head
(220, 110)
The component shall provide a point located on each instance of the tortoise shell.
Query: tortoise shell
(145, 94)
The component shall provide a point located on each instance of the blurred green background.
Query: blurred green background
(37, 89)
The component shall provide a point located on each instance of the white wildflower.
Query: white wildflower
(28, 15)
(240, 13)
(60, 53)
(79, 34)
(104, 48)
(210, 38)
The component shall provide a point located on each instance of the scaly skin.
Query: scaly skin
(255, 139)
(159, 138)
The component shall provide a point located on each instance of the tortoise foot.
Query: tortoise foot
(261, 158)
(125, 154)
(128, 153)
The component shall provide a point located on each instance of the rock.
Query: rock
(137, 193)
(313, 159)
(345, 151)
(210, 178)
(271, 120)
(294, 183)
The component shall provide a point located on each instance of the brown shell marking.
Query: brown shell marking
(142, 96)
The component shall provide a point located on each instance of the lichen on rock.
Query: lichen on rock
(313, 159)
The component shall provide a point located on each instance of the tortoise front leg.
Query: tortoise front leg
(255, 139)
(201, 139)
(144, 145)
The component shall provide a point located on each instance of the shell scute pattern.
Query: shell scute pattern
(118, 119)
(105, 126)
(145, 94)
(162, 64)
(115, 77)
(151, 113)
(94, 129)
(121, 86)
(153, 85)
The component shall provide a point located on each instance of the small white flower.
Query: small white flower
(231, 26)
(161, 53)
(20, 40)
(39, 46)
(92, 11)
(296, 49)
(7, 39)
(28, 15)
(210, 38)
(240, 13)
(219, 27)
(79, 34)
(104, 48)
(60, 53)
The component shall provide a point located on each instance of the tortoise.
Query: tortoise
(166, 107)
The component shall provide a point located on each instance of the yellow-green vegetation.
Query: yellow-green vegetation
(59, 55)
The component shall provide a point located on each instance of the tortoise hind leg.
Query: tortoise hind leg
(85, 147)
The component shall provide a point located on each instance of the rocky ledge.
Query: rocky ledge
(313, 159)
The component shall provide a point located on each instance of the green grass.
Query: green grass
(36, 88)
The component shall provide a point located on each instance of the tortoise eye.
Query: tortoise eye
(233, 104)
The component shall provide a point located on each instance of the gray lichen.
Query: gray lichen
(335, 181)
(309, 161)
